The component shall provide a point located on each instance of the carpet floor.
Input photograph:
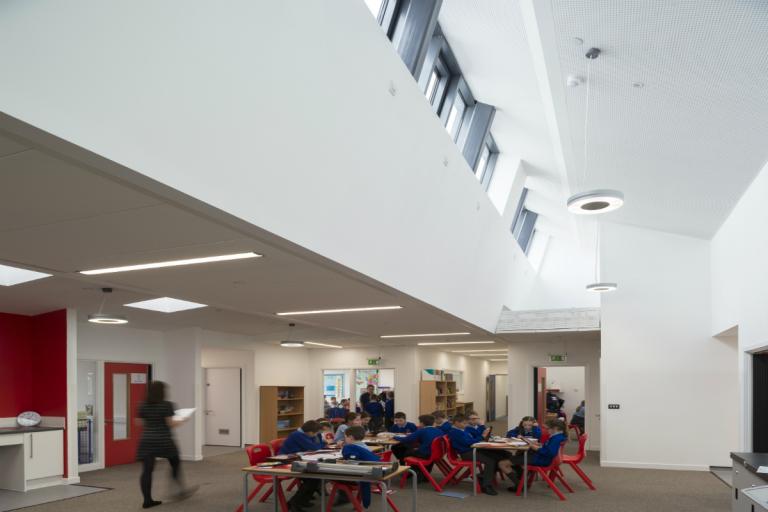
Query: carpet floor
(220, 483)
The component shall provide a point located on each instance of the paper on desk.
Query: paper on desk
(183, 414)
(321, 455)
(762, 469)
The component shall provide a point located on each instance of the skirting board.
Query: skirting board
(191, 457)
(649, 465)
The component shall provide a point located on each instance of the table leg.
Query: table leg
(322, 495)
(276, 492)
(383, 488)
(414, 478)
(474, 476)
(245, 491)
(525, 474)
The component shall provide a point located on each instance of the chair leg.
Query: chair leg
(450, 478)
(331, 497)
(354, 499)
(267, 494)
(251, 496)
(558, 475)
(293, 484)
(392, 504)
(583, 476)
(552, 486)
(431, 479)
(531, 473)
(403, 480)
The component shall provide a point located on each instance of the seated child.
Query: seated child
(401, 425)
(389, 409)
(418, 443)
(442, 422)
(303, 440)
(352, 419)
(326, 432)
(542, 454)
(366, 422)
(476, 429)
(355, 449)
(526, 428)
(462, 441)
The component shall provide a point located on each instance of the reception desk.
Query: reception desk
(31, 458)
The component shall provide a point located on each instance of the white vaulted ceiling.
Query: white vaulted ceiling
(685, 146)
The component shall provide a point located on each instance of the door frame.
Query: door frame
(99, 439)
(239, 402)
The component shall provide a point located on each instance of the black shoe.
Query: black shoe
(186, 492)
(151, 504)
(489, 490)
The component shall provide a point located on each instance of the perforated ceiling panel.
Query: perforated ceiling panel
(685, 145)
(576, 319)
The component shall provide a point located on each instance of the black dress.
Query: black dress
(156, 441)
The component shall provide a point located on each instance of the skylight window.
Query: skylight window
(456, 116)
(482, 163)
(10, 276)
(165, 305)
(434, 80)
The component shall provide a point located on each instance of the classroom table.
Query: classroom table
(277, 472)
(501, 445)
(381, 441)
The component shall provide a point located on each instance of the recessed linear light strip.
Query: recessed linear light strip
(504, 350)
(484, 355)
(172, 263)
(426, 335)
(498, 360)
(322, 344)
(340, 310)
(431, 343)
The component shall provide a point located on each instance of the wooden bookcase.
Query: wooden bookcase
(281, 411)
(465, 407)
(437, 395)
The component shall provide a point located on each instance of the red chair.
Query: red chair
(353, 491)
(575, 460)
(460, 468)
(549, 474)
(258, 453)
(276, 444)
(437, 451)
(544, 435)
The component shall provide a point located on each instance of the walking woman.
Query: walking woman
(156, 441)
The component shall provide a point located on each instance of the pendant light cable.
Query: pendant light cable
(586, 124)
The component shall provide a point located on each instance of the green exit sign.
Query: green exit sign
(558, 358)
(374, 362)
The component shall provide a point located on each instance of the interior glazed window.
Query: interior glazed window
(482, 163)
(434, 80)
(523, 232)
(456, 116)
(437, 85)
(384, 12)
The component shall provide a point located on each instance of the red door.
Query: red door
(125, 388)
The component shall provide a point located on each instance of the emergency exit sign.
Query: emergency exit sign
(558, 358)
(374, 362)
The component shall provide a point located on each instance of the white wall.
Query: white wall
(570, 380)
(174, 108)
(659, 361)
(525, 355)
(740, 287)
(175, 359)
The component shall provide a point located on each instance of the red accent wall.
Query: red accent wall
(33, 366)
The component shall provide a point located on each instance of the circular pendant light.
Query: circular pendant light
(602, 287)
(289, 343)
(594, 202)
(105, 319)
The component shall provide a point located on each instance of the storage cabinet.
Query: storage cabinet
(437, 395)
(281, 411)
(743, 479)
(44, 454)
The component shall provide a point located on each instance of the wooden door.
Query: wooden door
(125, 388)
